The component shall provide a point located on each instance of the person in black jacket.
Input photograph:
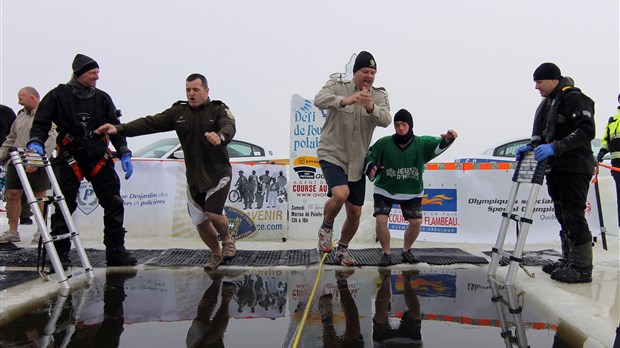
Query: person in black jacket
(562, 134)
(78, 108)
(7, 116)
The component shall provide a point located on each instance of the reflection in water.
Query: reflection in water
(208, 331)
(509, 311)
(263, 307)
(352, 336)
(109, 332)
(407, 333)
(567, 337)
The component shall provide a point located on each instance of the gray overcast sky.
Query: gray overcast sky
(465, 65)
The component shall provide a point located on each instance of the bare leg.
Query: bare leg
(351, 223)
(335, 202)
(209, 234)
(220, 222)
(383, 234)
(14, 208)
(411, 233)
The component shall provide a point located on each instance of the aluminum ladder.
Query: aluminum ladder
(22, 157)
(509, 310)
(60, 308)
(528, 171)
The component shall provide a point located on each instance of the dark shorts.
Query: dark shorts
(412, 209)
(215, 201)
(409, 331)
(335, 176)
(38, 180)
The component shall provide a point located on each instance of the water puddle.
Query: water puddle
(265, 307)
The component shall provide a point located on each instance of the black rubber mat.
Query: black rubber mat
(8, 247)
(12, 278)
(257, 258)
(532, 258)
(27, 257)
(432, 256)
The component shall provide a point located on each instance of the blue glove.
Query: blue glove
(543, 151)
(126, 165)
(36, 146)
(521, 150)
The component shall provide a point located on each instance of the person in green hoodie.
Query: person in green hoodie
(396, 164)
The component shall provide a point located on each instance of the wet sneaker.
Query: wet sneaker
(386, 260)
(9, 237)
(229, 250)
(214, 261)
(342, 255)
(408, 257)
(325, 239)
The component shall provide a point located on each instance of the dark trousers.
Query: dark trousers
(616, 176)
(106, 185)
(569, 193)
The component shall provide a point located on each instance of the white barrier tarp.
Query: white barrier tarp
(156, 204)
(461, 206)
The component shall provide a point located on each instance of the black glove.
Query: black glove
(369, 168)
(601, 154)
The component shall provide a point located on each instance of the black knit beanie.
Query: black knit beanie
(364, 60)
(82, 64)
(547, 71)
(404, 116)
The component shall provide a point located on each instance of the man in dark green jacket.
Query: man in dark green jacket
(204, 127)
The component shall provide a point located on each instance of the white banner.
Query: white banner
(155, 201)
(460, 206)
(307, 188)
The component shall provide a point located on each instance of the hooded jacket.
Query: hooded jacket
(566, 119)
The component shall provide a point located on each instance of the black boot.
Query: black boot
(566, 246)
(579, 269)
(115, 252)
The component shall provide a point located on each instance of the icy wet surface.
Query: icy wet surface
(263, 307)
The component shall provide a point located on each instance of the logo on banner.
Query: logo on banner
(439, 212)
(87, 201)
(306, 167)
(439, 200)
(428, 285)
(240, 224)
